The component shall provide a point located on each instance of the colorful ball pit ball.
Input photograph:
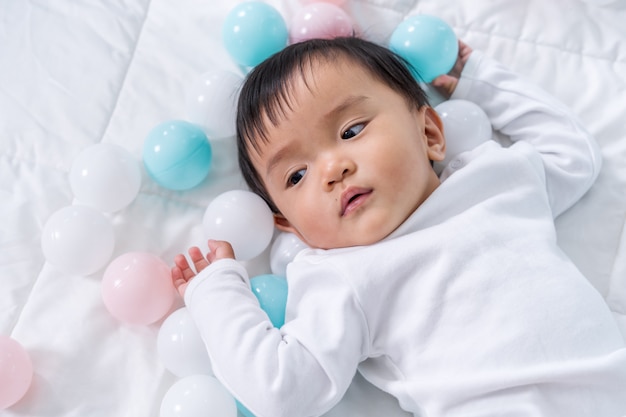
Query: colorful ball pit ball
(320, 21)
(137, 288)
(284, 249)
(16, 372)
(428, 43)
(198, 395)
(252, 31)
(211, 102)
(336, 2)
(105, 176)
(177, 155)
(180, 346)
(78, 240)
(465, 125)
(271, 291)
(241, 218)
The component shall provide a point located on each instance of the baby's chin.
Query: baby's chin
(346, 241)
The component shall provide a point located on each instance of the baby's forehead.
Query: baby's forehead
(340, 64)
(317, 78)
(313, 76)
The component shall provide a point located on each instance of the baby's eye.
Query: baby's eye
(295, 177)
(353, 131)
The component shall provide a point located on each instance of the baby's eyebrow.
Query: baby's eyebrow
(344, 105)
(277, 157)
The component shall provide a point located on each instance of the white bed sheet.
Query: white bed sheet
(75, 73)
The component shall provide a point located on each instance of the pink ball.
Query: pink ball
(137, 288)
(337, 2)
(16, 372)
(320, 20)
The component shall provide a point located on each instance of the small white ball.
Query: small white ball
(284, 249)
(198, 395)
(105, 176)
(211, 102)
(77, 239)
(241, 218)
(465, 126)
(180, 346)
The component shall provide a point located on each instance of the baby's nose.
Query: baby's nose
(336, 169)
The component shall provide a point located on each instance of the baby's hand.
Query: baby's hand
(446, 84)
(182, 273)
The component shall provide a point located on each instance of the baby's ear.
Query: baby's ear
(433, 129)
(283, 224)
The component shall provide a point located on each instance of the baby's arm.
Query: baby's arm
(182, 272)
(570, 158)
(304, 365)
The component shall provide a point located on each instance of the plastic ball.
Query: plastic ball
(241, 218)
(106, 177)
(177, 155)
(271, 291)
(336, 2)
(465, 126)
(253, 31)
(198, 395)
(180, 346)
(78, 240)
(320, 21)
(16, 372)
(137, 288)
(427, 43)
(211, 102)
(284, 249)
(243, 410)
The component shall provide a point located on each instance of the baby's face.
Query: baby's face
(350, 160)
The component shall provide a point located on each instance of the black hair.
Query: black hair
(265, 94)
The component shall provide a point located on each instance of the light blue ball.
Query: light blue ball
(253, 31)
(243, 410)
(177, 155)
(427, 43)
(271, 291)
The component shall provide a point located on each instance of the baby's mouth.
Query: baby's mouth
(352, 198)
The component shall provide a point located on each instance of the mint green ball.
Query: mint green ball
(177, 155)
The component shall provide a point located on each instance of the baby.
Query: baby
(448, 292)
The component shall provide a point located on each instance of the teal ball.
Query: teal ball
(177, 155)
(427, 43)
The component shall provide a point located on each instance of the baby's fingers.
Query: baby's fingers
(181, 262)
(199, 261)
(464, 51)
(179, 281)
(445, 84)
(220, 250)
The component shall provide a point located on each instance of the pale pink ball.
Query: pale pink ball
(320, 20)
(137, 288)
(16, 372)
(337, 2)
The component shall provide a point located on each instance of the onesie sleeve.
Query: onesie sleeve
(305, 366)
(524, 112)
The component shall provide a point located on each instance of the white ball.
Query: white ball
(241, 218)
(198, 395)
(180, 347)
(211, 102)
(285, 247)
(465, 126)
(105, 176)
(78, 239)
